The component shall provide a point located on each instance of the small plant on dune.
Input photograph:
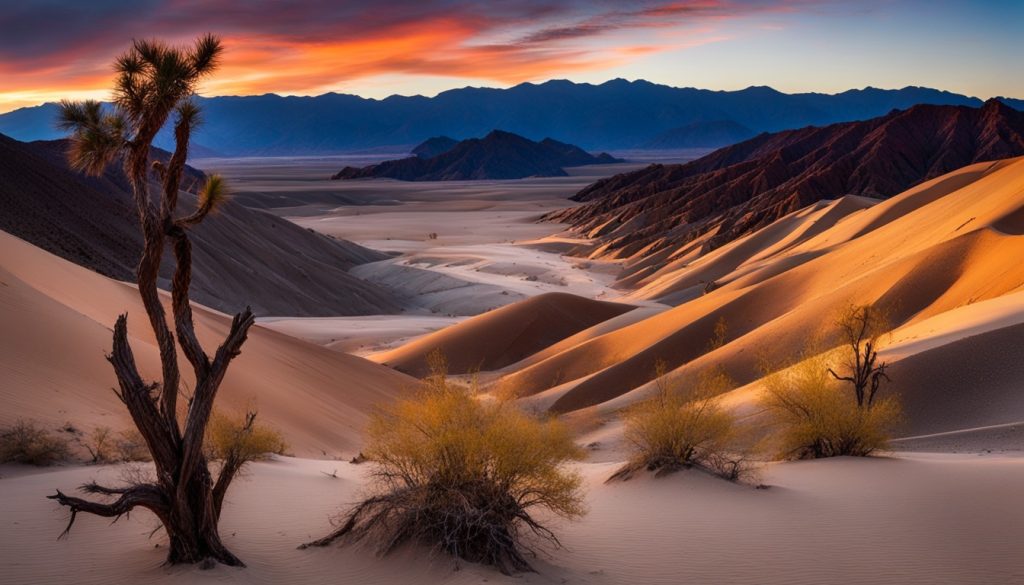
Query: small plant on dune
(464, 476)
(106, 446)
(129, 445)
(100, 445)
(234, 441)
(684, 428)
(27, 442)
(860, 328)
(720, 334)
(241, 438)
(815, 415)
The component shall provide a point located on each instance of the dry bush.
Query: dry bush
(241, 438)
(816, 417)
(507, 390)
(861, 328)
(685, 428)
(100, 445)
(27, 442)
(234, 441)
(464, 476)
(130, 446)
(720, 335)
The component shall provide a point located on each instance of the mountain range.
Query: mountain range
(241, 257)
(668, 215)
(499, 155)
(617, 114)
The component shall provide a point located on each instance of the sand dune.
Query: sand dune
(503, 336)
(939, 247)
(969, 383)
(57, 318)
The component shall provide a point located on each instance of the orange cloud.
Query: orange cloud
(308, 47)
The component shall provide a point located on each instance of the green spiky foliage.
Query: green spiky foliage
(154, 86)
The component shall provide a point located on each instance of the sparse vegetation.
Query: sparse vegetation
(234, 441)
(28, 442)
(131, 446)
(464, 476)
(100, 445)
(682, 428)
(242, 438)
(860, 328)
(720, 334)
(814, 416)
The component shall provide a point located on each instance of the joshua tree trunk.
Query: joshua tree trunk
(183, 495)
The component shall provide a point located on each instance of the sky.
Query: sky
(54, 49)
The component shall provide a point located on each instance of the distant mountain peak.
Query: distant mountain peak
(432, 147)
(498, 155)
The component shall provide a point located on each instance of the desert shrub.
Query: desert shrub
(815, 416)
(241, 438)
(101, 445)
(463, 475)
(27, 442)
(130, 446)
(683, 428)
(720, 334)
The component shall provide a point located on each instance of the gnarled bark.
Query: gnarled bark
(155, 81)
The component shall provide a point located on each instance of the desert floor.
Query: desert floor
(911, 519)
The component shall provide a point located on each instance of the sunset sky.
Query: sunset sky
(51, 49)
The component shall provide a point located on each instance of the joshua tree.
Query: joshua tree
(156, 81)
(860, 327)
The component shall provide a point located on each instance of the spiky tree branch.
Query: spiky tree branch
(154, 81)
(860, 328)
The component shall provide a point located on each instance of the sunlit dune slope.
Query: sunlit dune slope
(503, 336)
(951, 242)
(57, 320)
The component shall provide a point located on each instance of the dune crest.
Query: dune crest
(503, 336)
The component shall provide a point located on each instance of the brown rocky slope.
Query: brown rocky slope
(662, 213)
(243, 256)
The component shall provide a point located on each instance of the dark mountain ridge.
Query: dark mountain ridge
(654, 212)
(499, 155)
(617, 114)
(432, 147)
(241, 257)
